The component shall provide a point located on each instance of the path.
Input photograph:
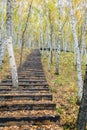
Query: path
(32, 102)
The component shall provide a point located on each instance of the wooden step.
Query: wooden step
(31, 75)
(25, 80)
(10, 88)
(27, 96)
(23, 113)
(28, 106)
(31, 88)
(23, 91)
(10, 121)
(24, 84)
(30, 69)
(34, 72)
(30, 78)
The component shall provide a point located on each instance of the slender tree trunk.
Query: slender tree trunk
(77, 51)
(50, 54)
(1, 34)
(41, 30)
(57, 59)
(59, 39)
(26, 24)
(51, 48)
(9, 45)
(84, 31)
(51, 40)
(83, 45)
(82, 115)
(0, 47)
(2, 51)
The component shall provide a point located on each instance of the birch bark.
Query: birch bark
(9, 45)
(41, 30)
(2, 51)
(59, 37)
(2, 45)
(83, 48)
(77, 51)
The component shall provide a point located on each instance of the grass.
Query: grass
(66, 87)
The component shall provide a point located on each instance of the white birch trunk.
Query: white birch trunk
(50, 43)
(49, 62)
(41, 30)
(85, 1)
(2, 51)
(12, 62)
(50, 53)
(77, 51)
(57, 59)
(9, 45)
(2, 22)
(83, 48)
(86, 58)
(2, 44)
(47, 33)
(59, 38)
(0, 35)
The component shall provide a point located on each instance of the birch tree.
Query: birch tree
(77, 51)
(2, 44)
(47, 27)
(19, 25)
(51, 36)
(59, 37)
(23, 34)
(9, 44)
(2, 50)
(83, 46)
(51, 41)
(41, 28)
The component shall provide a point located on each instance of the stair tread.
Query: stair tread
(24, 113)
(27, 80)
(22, 120)
(10, 106)
(23, 83)
(25, 94)
(25, 102)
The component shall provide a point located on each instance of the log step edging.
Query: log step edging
(33, 120)
(31, 106)
(24, 84)
(25, 80)
(25, 89)
(26, 96)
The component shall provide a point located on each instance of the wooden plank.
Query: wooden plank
(29, 106)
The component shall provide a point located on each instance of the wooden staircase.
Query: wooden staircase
(30, 103)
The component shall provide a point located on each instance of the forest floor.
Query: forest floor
(63, 86)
